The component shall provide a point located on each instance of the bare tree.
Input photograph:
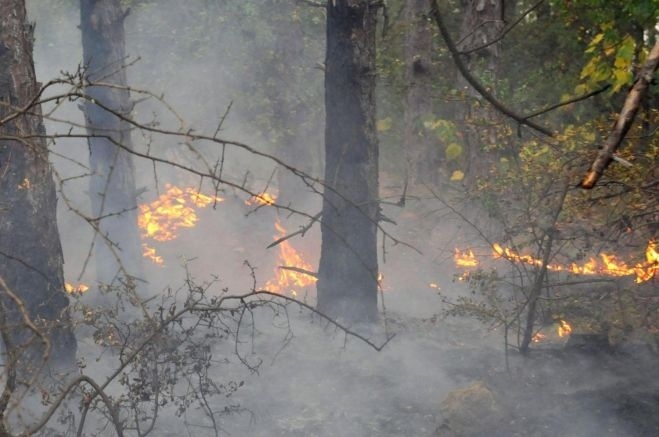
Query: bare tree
(482, 23)
(423, 154)
(112, 182)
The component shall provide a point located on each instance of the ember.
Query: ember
(538, 337)
(73, 289)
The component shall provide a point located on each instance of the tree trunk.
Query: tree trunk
(112, 183)
(347, 275)
(422, 153)
(288, 109)
(482, 22)
(30, 251)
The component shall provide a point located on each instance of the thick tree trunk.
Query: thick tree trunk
(112, 184)
(30, 251)
(347, 275)
(422, 153)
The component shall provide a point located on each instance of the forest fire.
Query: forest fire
(465, 259)
(538, 337)
(174, 209)
(75, 289)
(292, 273)
(149, 252)
(609, 265)
(563, 329)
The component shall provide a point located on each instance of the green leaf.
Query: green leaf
(453, 151)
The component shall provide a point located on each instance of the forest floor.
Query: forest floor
(317, 386)
(437, 376)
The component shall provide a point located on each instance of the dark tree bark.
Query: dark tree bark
(112, 184)
(30, 251)
(347, 275)
(422, 153)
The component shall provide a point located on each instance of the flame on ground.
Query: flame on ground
(465, 259)
(610, 265)
(287, 280)
(150, 253)
(73, 289)
(161, 219)
(563, 328)
(538, 337)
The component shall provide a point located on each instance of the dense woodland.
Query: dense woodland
(329, 217)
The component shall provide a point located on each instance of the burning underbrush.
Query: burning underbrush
(176, 214)
(608, 265)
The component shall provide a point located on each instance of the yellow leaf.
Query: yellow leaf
(457, 176)
(622, 77)
(384, 124)
(580, 89)
(622, 63)
(599, 37)
(590, 67)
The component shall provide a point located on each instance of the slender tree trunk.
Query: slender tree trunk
(112, 184)
(422, 153)
(30, 251)
(482, 22)
(289, 112)
(347, 275)
(534, 293)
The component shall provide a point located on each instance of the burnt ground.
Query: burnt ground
(319, 385)
(557, 391)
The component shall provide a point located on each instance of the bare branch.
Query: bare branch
(455, 53)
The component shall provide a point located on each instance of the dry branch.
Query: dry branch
(620, 128)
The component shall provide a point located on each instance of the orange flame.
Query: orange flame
(538, 337)
(286, 280)
(150, 253)
(73, 289)
(261, 199)
(610, 265)
(174, 209)
(465, 259)
(563, 328)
